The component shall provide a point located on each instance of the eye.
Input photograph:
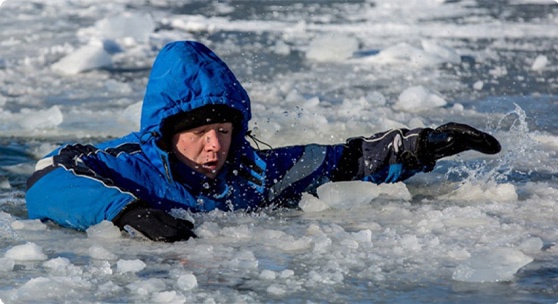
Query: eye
(199, 131)
(223, 130)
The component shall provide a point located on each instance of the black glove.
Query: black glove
(453, 138)
(154, 224)
(416, 149)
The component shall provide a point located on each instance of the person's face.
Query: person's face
(204, 148)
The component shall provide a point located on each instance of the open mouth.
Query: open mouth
(211, 166)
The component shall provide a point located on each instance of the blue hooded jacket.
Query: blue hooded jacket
(80, 185)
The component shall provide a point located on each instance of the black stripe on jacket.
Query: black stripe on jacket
(69, 157)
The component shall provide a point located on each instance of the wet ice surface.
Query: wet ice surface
(477, 228)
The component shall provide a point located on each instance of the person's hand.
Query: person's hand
(140, 220)
(453, 138)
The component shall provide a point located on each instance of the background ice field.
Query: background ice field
(477, 229)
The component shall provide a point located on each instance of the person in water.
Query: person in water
(191, 152)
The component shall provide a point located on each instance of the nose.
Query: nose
(212, 141)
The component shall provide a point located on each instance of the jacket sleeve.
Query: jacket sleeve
(67, 191)
(385, 157)
(293, 170)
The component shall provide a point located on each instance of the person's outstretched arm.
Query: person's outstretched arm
(385, 157)
(396, 155)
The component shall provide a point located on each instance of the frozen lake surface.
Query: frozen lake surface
(477, 229)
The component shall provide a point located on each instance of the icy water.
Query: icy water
(477, 229)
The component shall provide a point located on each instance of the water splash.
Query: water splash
(523, 152)
(6, 230)
(493, 176)
(517, 145)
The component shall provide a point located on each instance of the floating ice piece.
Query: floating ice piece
(321, 244)
(26, 252)
(6, 264)
(292, 244)
(496, 265)
(187, 281)
(63, 267)
(276, 290)
(533, 244)
(417, 99)
(56, 263)
(410, 243)
(444, 54)
(287, 273)
(540, 63)
(41, 119)
(167, 297)
(362, 236)
(100, 269)
(267, 274)
(405, 53)
(245, 259)
(88, 57)
(124, 266)
(280, 48)
(4, 182)
(478, 85)
(430, 54)
(347, 195)
(104, 230)
(344, 195)
(397, 191)
(33, 225)
(310, 203)
(332, 47)
(238, 232)
(146, 287)
(349, 244)
(40, 289)
(100, 253)
(485, 191)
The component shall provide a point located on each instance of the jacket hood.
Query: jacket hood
(186, 75)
